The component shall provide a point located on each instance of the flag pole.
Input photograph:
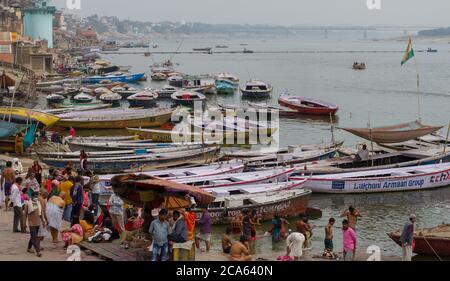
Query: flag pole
(418, 90)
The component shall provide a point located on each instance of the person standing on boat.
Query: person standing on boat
(352, 215)
(349, 241)
(407, 237)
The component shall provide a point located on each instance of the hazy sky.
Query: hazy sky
(282, 12)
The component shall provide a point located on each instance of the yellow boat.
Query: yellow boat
(24, 116)
(150, 119)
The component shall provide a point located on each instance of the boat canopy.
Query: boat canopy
(395, 133)
(141, 190)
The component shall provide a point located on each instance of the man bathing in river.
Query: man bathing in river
(226, 241)
(239, 250)
(352, 215)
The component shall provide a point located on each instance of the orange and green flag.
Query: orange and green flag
(409, 52)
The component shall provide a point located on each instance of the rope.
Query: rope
(432, 249)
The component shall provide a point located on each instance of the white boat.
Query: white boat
(229, 167)
(166, 92)
(256, 89)
(384, 180)
(111, 98)
(55, 98)
(159, 76)
(265, 176)
(83, 98)
(143, 99)
(228, 77)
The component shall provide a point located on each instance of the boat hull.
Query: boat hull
(142, 103)
(150, 121)
(22, 116)
(123, 78)
(342, 184)
(440, 245)
(256, 95)
(289, 207)
(308, 110)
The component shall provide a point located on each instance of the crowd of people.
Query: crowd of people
(40, 205)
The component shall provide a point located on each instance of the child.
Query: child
(226, 241)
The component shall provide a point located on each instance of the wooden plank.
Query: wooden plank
(110, 251)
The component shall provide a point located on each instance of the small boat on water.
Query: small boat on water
(289, 158)
(125, 91)
(166, 92)
(55, 99)
(82, 98)
(395, 133)
(359, 65)
(143, 99)
(125, 68)
(206, 49)
(159, 76)
(100, 91)
(111, 165)
(221, 46)
(115, 118)
(224, 87)
(66, 108)
(429, 241)
(284, 199)
(304, 105)
(256, 89)
(384, 180)
(189, 99)
(247, 51)
(111, 98)
(118, 77)
(430, 50)
(228, 77)
(175, 81)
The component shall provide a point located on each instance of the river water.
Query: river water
(385, 92)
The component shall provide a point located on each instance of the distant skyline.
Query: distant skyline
(280, 12)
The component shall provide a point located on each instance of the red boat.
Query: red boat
(429, 241)
(306, 105)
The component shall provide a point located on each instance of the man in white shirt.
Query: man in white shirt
(16, 200)
(363, 154)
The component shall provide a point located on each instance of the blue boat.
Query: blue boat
(9, 129)
(131, 78)
(225, 87)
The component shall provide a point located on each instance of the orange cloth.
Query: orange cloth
(190, 219)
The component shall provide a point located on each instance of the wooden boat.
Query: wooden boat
(118, 165)
(240, 153)
(125, 91)
(256, 89)
(143, 191)
(83, 98)
(284, 199)
(228, 77)
(24, 116)
(227, 180)
(212, 169)
(9, 131)
(107, 84)
(55, 98)
(166, 92)
(389, 160)
(224, 87)
(144, 99)
(116, 118)
(188, 98)
(111, 145)
(384, 180)
(359, 66)
(111, 98)
(287, 159)
(175, 81)
(430, 50)
(394, 133)
(221, 46)
(305, 105)
(429, 241)
(100, 91)
(159, 76)
(247, 51)
(130, 78)
(72, 107)
(206, 49)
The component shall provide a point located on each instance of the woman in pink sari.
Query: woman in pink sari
(73, 235)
